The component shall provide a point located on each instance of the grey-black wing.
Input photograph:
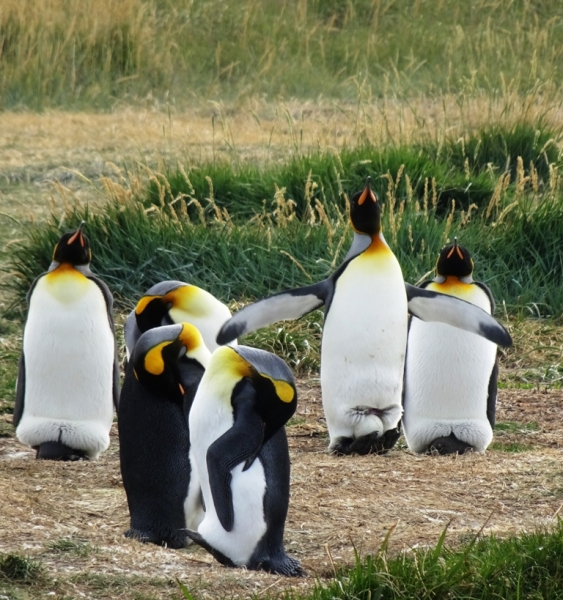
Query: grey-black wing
(20, 392)
(492, 396)
(241, 443)
(434, 306)
(285, 305)
(108, 297)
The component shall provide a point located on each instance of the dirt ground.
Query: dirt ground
(337, 505)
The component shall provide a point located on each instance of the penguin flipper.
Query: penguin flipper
(285, 305)
(434, 306)
(492, 395)
(20, 392)
(108, 297)
(241, 443)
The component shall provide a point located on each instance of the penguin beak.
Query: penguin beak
(367, 193)
(77, 234)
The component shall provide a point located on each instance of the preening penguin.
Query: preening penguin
(161, 380)
(68, 379)
(240, 450)
(171, 302)
(365, 332)
(450, 375)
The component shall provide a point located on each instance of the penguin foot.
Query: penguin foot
(372, 443)
(59, 451)
(174, 540)
(448, 445)
(283, 565)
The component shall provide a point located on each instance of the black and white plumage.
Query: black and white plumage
(365, 332)
(68, 380)
(240, 451)
(450, 375)
(162, 376)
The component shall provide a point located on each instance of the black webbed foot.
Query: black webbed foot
(448, 445)
(372, 443)
(59, 451)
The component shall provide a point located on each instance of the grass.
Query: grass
(20, 569)
(527, 566)
(239, 248)
(69, 546)
(86, 54)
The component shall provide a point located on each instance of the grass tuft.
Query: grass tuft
(20, 569)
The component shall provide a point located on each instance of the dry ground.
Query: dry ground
(337, 504)
(71, 517)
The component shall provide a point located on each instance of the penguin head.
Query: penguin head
(365, 211)
(454, 261)
(169, 302)
(276, 395)
(157, 355)
(73, 248)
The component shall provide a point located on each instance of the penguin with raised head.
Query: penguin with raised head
(170, 302)
(241, 455)
(365, 332)
(68, 380)
(450, 375)
(161, 380)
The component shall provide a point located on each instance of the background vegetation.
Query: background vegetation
(91, 53)
(244, 227)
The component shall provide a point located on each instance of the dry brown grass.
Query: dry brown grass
(337, 504)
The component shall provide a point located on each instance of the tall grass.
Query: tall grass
(95, 53)
(240, 249)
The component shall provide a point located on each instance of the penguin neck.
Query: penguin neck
(84, 269)
(453, 279)
(363, 242)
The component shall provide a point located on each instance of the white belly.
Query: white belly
(363, 348)
(209, 419)
(69, 352)
(446, 383)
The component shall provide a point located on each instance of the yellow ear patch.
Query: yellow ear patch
(142, 304)
(284, 391)
(154, 363)
(190, 336)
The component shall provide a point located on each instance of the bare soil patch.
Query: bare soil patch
(337, 505)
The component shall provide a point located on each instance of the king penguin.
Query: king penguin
(68, 380)
(171, 302)
(241, 455)
(450, 375)
(365, 332)
(160, 383)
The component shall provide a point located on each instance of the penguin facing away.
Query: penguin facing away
(241, 454)
(450, 375)
(171, 302)
(68, 380)
(365, 332)
(163, 493)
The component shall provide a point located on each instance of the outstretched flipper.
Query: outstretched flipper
(441, 308)
(241, 443)
(286, 305)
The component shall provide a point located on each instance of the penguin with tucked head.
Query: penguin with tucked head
(170, 302)
(68, 380)
(365, 332)
(160, 383)
(451, 375)
(240, 450)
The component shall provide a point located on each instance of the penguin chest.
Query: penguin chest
(448, 370)
(69, 350)
(210, 418)
(365, 332)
